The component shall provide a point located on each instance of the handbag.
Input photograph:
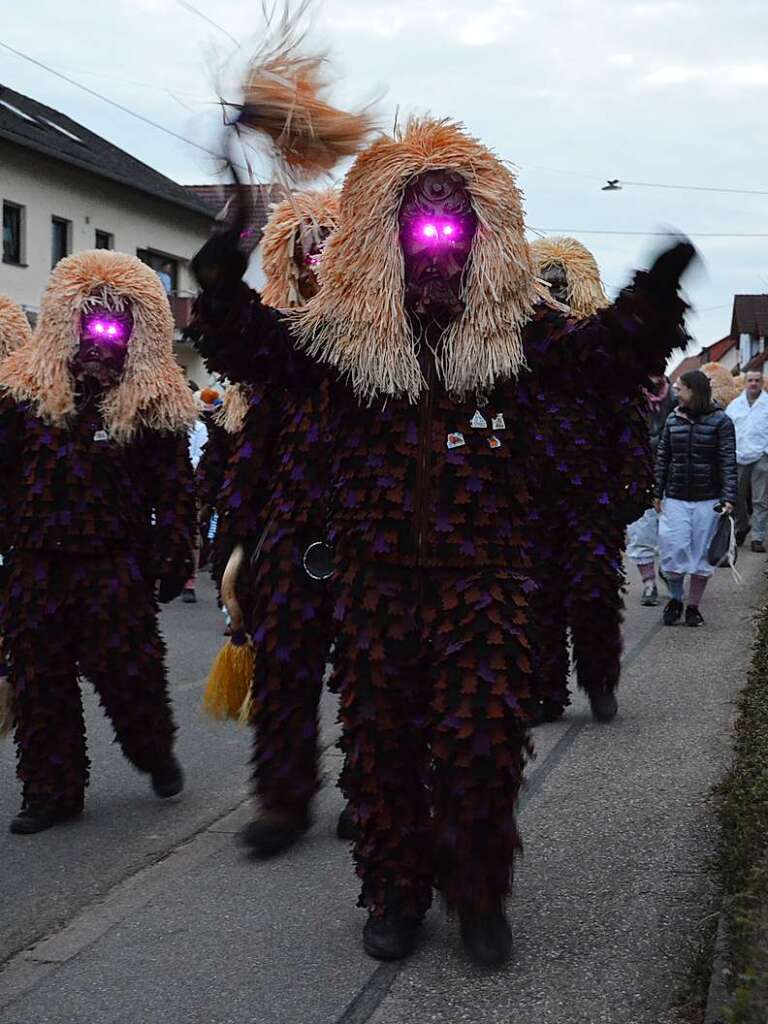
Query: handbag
(722, 552)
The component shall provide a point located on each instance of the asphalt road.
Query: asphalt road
(146, 911)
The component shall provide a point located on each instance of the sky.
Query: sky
(571, 92)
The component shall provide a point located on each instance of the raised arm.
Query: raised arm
(628, 341)
(236, 334)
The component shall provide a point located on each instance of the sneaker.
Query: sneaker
(673, 612)
(650, 596)
(758, 547)
(693, 616)
(188, 595)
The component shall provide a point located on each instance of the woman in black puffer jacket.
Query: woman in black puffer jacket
(695, 469)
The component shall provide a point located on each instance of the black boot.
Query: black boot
(168, 778)
(486, 936)
(604, 705)
(392, 936)
(346, 827)
(272, 833)
(31, 820)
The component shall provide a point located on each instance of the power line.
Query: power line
(697, 188)
(106, 99)
(649, 234)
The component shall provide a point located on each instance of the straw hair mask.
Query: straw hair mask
(586, 294)
(357, 322)
(152, 392)
(725, 387)
(277, 245)
(14, 327)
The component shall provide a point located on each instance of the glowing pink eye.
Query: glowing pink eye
(448, 229)
(430, 231)
(112, 330)
(98, 327)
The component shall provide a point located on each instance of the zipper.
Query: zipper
(424, 462)
(690, 454)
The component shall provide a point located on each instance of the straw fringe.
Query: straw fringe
(725, 387)
(357, 322)
(152, 392)
(14, 327)
(586, 294)
(319, 208)
(231, 416)
(284, 100)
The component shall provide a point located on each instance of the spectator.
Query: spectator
(165, 273)
(749, 413)
(695, 468)
(207, 401)
(643, 534)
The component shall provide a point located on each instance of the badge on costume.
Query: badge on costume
(494, 442)
(455, 440)
(498, 422)
(101, 435)
(478, 421)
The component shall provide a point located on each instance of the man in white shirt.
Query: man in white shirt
(749, 413)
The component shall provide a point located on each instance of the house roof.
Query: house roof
(25, 122)
(263, 198)
(689, 363)
(750, 315)
(718, 349)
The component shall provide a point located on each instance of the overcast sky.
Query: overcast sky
(571, 91)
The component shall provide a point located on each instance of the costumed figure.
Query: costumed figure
(96, 522)
(725, 387)
(14, 332)
(428, 309)
(272, 509)
(595, 475)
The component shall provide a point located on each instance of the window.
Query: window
(60, 238)
(166, 268)
(13, 229)
(755, 345)
(104, 240)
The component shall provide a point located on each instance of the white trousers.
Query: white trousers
(685, 532)
(643, 538)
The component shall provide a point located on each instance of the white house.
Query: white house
(64, 189)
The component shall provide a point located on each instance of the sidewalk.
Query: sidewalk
(610, 892)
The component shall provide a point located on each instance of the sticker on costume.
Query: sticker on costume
(101, 435)
(498, 422)
(478, 421)
(455, 440)
(494, 442)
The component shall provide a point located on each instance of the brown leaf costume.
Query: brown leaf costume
(432, 537)
(97, 505)
(593, 456)
(274, 491)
